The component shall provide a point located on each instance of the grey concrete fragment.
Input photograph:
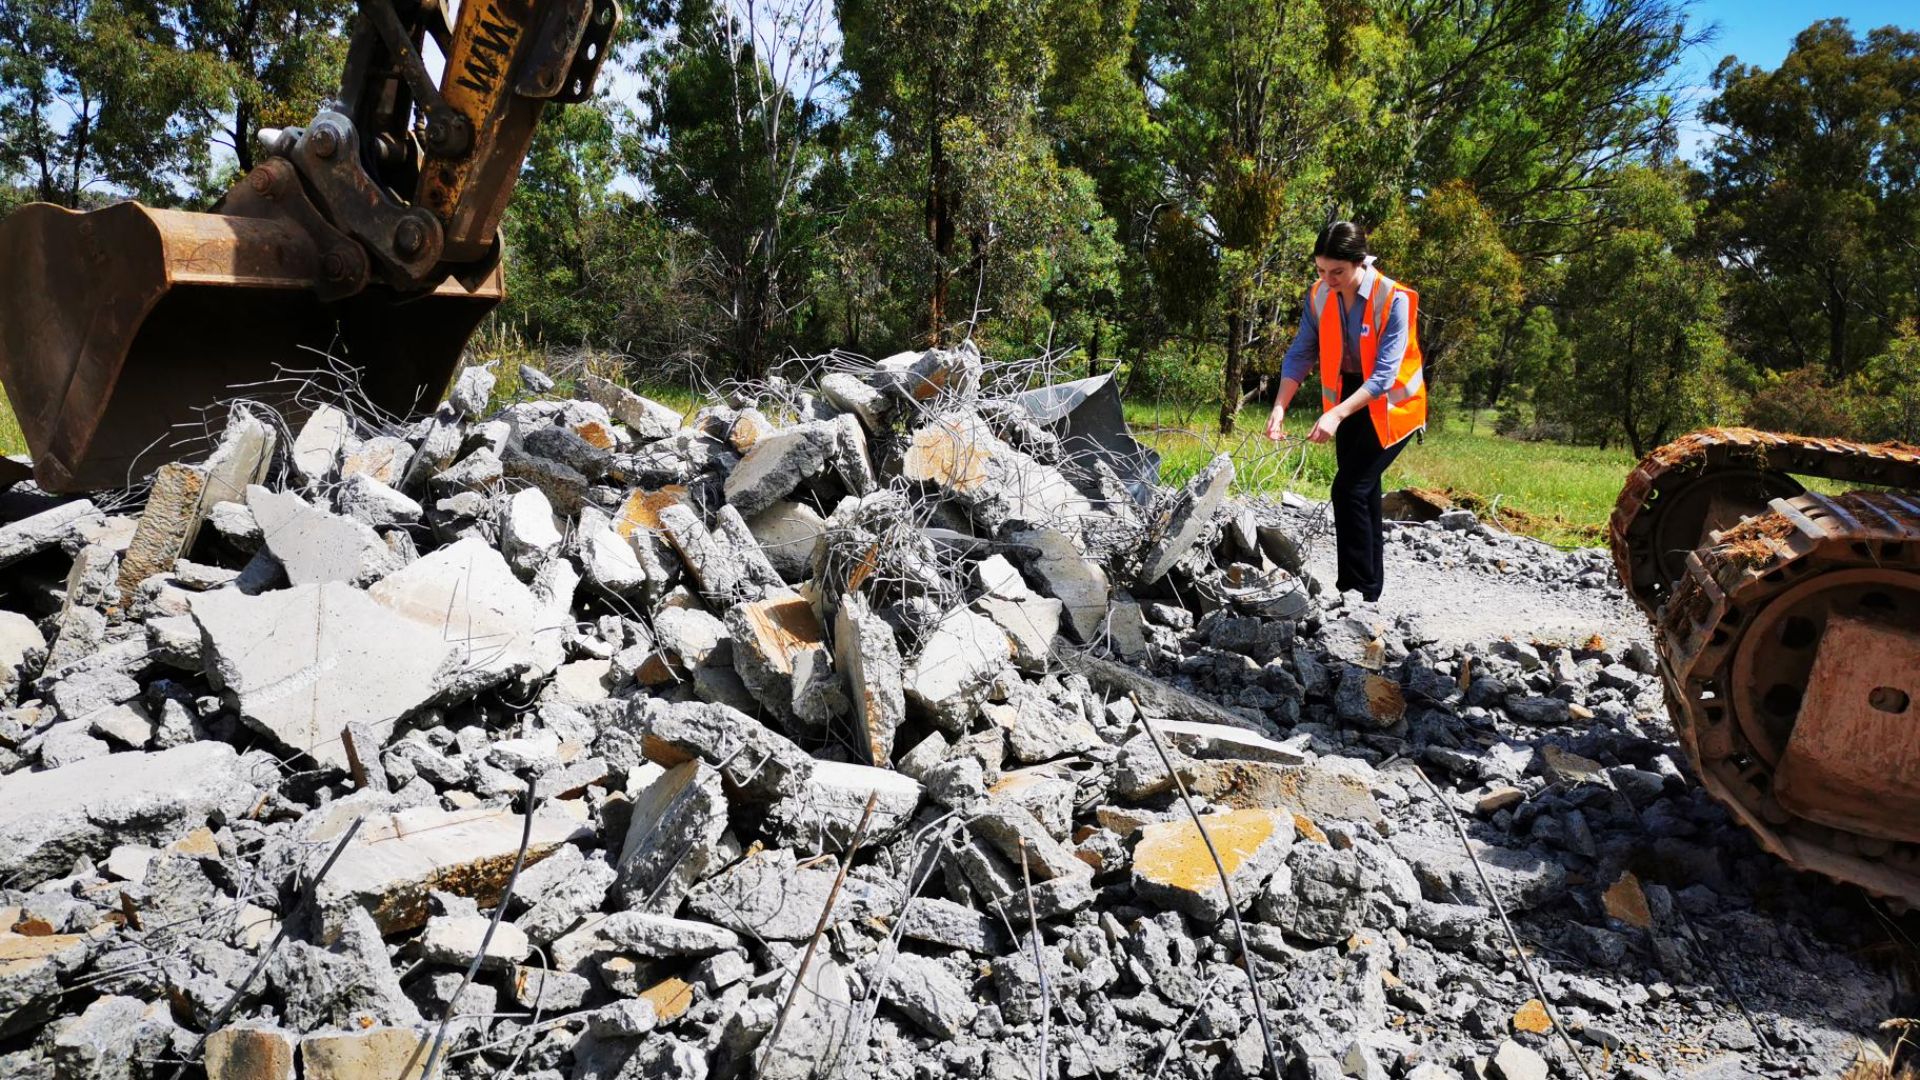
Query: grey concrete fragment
(561, 891)
(396, 860)
(788, 532)
(776, 465)
(950, 925)
(758, 764)
(528, 534)
(472, 390)
(769, 635)
(314, 546)
(373, 503)
(768, 896)
(815, 1030)
(383, 458)
(1180, 525)
(647, 419)
(695, 638)
(851, 394)
(108, 1039)
(641, 933)
(673, 837)
(1016, 834)
(1173, 866)
(957, 664)
(716, 566)
(825, 815)
(1031, 623)
(456, 939)
(557, 443)
(852, 461)
(234, 523)
(960, 457)
(864, 647)
(479, 472)
(322, 442)
(22, 650)
(930, 995)
(302, 663)
(69, 742)
(46, 529)
(564, 486)
(48, 819)
(551, 992)
(1069, 575)
(467, 598)
(250, 1051)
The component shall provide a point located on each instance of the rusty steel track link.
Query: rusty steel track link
(1765, 684)
(1712, 479)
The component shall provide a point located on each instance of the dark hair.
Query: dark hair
(1341, 240)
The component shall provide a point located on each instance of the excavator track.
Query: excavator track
(1789, 638)
(1683, 491)
(1791, 658)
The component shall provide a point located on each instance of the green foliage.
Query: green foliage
(1643, 322)
(1885, 392)
(99, 96)
(1812, 195)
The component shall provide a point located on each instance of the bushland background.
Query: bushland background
(1608, 254)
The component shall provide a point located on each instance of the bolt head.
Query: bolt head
(333, 265)
(325, 142)
(409, 237)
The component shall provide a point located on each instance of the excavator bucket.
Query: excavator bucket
(120, 327)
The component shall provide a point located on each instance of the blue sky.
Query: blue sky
(1761, 31)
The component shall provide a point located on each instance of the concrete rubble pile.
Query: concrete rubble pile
(820, 726)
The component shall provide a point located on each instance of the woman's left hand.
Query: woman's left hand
(1324, 428)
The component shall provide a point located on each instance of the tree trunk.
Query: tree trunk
(1236, 359)
(1836, 328)
(940, 231)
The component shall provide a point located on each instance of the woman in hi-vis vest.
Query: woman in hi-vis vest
(1362, 327)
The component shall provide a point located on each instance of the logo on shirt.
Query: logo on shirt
(1365, 329)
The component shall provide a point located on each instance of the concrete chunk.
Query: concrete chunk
(957, 664)
(768, 636)
(1172, 866)
(776, 465)
(757, 763)
(455, 940)
(168, 526)
(864, 647)
(673, 837)
(960, 456)
(468, 599)
(851, 394)
(50, 818)
(303, 663)
(788, 532)
(1031, 624)
(767, 895)
(640, 933)
(383, 458)
(370, 502)
(825, 815)
(388, 1053)
(315, 546)
(1071, 576)
(528, 533)
(647, 419)
(395, 861)
(322, 441)
(244, 1052)
(1180, 526)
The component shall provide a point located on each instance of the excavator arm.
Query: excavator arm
(369, 239)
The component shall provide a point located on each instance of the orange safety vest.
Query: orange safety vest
(1403, 410)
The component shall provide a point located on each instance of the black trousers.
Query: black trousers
(1359, 536)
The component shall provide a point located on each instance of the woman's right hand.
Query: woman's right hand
(1276, 422)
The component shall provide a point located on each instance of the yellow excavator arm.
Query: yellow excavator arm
(370, 237)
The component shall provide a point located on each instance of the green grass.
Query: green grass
(1559, 493)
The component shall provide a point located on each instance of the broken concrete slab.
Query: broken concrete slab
(1173, 867)
(776, 465)
(1187, 516)
(956, 666)
(322, 442)
(959, 456)
(864, 646)
(301, 664)
(456, 939)
(769, 896)
(673, 837)
(1031, 623)
(50, 818)
(826, 814)
(168, 526)
(383, 458)
(529, 536)
(390, 1053)
(315, 546)
(718, 567)
(397, 859)
(372, 503)
(250, 1052)
(758, 764)
(850, 394)
(1068, 574)
(788, 532)
(637, 932)
(470, 601)
(768, 636)
(648, 420)
(930, 995)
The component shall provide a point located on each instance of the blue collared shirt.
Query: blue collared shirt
(1304, 353)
